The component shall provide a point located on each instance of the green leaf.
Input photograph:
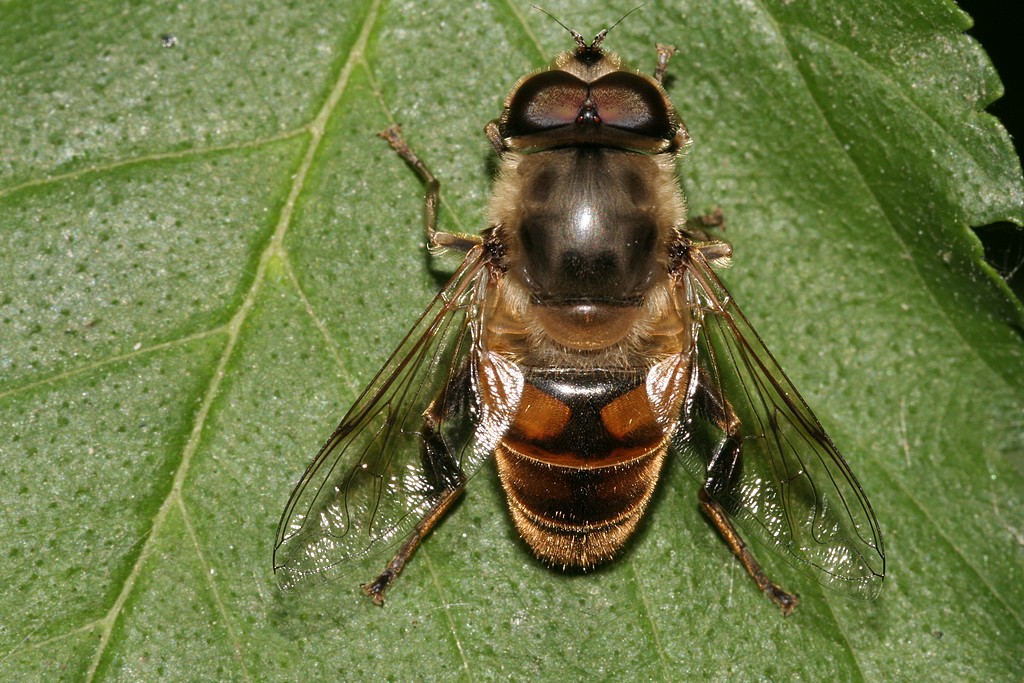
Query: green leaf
(206, 253)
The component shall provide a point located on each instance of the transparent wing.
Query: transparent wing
(790, 486)
(369, 485)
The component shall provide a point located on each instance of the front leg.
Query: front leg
(431, 197)
(665, 53)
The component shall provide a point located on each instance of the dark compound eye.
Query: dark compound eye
(550, 99)
(629, 102)
(556, 99)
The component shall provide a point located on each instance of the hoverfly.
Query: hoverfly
(583, 339)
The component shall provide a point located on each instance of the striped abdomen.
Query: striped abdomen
(580, 461)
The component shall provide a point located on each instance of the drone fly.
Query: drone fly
(584, 338)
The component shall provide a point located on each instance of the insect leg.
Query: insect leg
(716, 513)
(665, 53)
(723, 471)
(376, 588)
(443, 475)
(701, 227)
(431, 198)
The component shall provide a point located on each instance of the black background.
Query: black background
(999, 29)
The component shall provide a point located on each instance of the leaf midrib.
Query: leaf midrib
(273, 248)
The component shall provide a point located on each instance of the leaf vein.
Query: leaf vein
(273, 247)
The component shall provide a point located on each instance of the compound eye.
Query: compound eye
(548, 100)
(629, 102)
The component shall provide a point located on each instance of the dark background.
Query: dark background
(998, 28)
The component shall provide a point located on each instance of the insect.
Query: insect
(584, 339)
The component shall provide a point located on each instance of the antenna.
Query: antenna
(581, 43)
